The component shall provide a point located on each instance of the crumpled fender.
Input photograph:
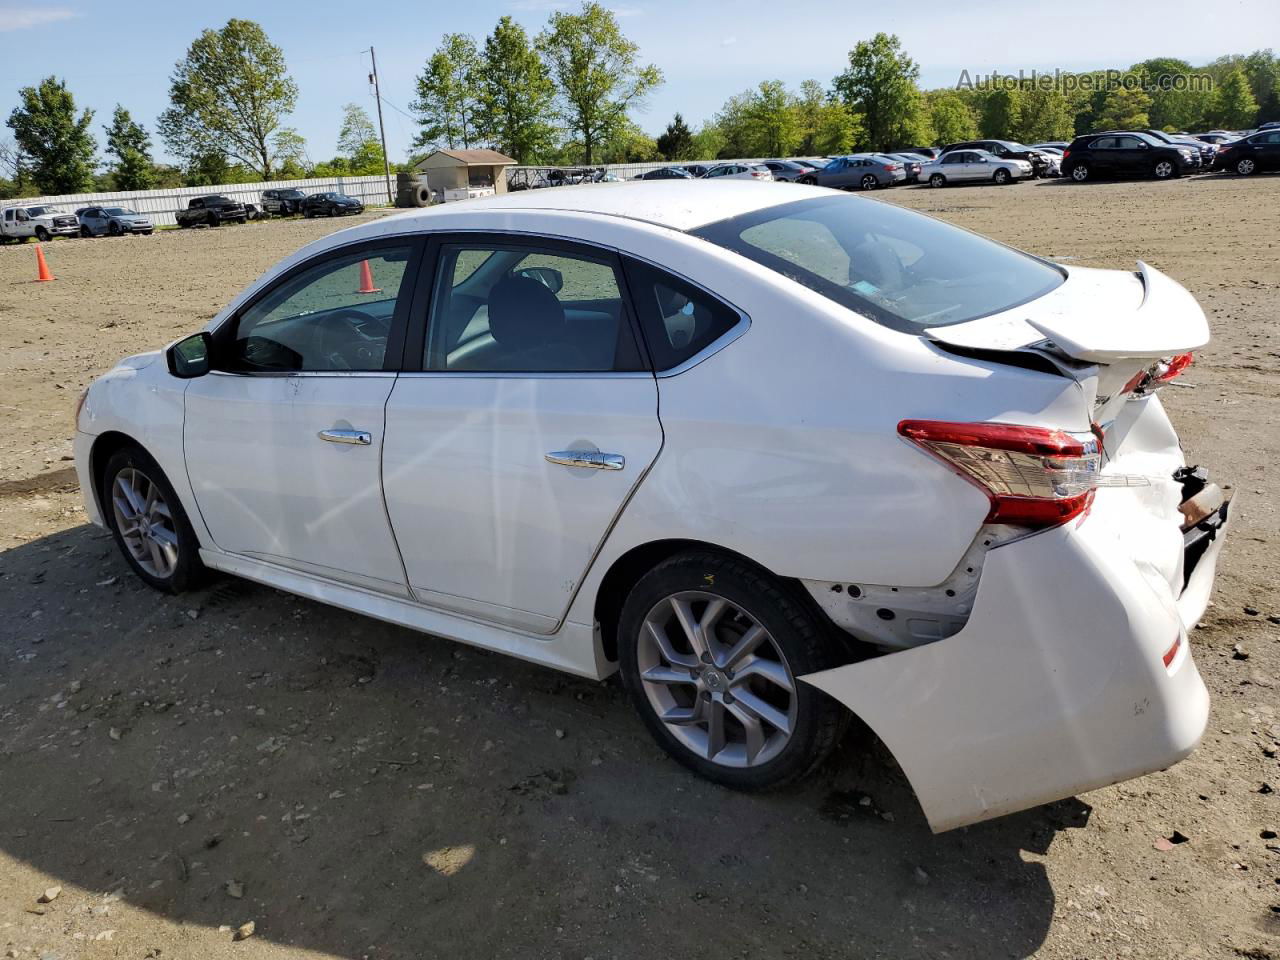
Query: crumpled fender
(1055, 686)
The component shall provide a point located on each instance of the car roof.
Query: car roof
(679, 204)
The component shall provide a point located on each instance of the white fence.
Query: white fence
(161, 205)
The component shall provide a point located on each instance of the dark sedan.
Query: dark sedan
(666, 173)
(1259, 151)
(330, 205)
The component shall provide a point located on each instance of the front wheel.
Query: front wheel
(114, 230)
(869, 182)
(148, 522)
(1246, 166)
(937, 180)
(711, 649)
(1001, 177)
(1164, 170)
(42, 234)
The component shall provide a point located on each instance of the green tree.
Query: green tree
(734, 124)
(677, 142)
(1262, 67)
(708, 142)
(1044, 115)
(516, 94)
(130, 144)
(358, 142)
(597, 73)
(952, 119)
(825, 124)
(448, 94)
(1234, 106)
(880, 85)
(772, 120)
(1174, 106)
(229, 96)
(1001, 114)
(53, 138)
(290, 149)
(628, 144)
(1124, 109)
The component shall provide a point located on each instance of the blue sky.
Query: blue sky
(123, 52)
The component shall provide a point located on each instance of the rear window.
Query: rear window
(899, 268)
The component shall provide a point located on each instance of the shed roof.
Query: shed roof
(474, 157)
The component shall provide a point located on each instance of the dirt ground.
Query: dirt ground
(182, 766)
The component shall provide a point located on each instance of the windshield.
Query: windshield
(899, 268)
(120, 212)
(42, 211)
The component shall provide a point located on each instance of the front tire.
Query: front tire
(1164, 170)
(147, 520)
(1001, 177)
(711, 649)
(42, 234)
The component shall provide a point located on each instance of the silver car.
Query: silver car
(113, 221)
(973, 166)
(789, 170)
(739, 171)
(860, 171)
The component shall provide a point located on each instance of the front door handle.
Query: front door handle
(360, 437)
(591, 459)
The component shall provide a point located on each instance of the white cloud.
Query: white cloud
(11, 19)
(728, 41)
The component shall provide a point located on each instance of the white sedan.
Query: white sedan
(778, 454)
(974, 166)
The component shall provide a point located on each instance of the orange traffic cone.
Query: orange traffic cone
(42, 269)
(366, 279)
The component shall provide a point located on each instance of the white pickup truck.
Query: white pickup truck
(40, 221)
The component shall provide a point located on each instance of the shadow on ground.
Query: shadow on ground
(381, 793)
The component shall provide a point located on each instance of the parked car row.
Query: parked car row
(45, 222)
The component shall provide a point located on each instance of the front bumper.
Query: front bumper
(1057, 685)
(71, 231)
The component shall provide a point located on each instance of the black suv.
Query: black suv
(213, 210)
(1130, 154)
(1005, 150)
(1258, 151)
(282, 203)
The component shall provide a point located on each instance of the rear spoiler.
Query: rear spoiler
(1169, 321)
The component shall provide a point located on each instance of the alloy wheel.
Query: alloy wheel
(1164, 170)
(1079, 173)
(145, 522)
(716, 678)
(869, 182)
(1245, 167)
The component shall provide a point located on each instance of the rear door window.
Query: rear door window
(678, 320)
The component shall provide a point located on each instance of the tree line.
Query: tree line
(568, 96)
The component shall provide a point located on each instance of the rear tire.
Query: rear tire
(1246, 166)
(85, 233)
(213, 220)
(1080, 172)
(869, 182)
(734, 712)
(937, 180)
(148, 522)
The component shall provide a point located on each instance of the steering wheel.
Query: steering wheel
(341, 340)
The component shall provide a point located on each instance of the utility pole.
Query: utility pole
(382, 130)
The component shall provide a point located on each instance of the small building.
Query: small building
(460, 174)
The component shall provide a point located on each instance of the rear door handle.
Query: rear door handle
(360, 437)
(590, 459)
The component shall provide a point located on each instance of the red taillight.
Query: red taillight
(892, 167)
(1066, 153)
(1172, 651)
(1033, 476)
(1158, 374)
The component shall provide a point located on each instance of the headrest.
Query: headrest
(524, 313)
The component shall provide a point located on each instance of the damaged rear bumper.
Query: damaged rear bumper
(1058, 683)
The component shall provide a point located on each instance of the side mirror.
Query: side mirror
(189, 357)
(549, 277)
